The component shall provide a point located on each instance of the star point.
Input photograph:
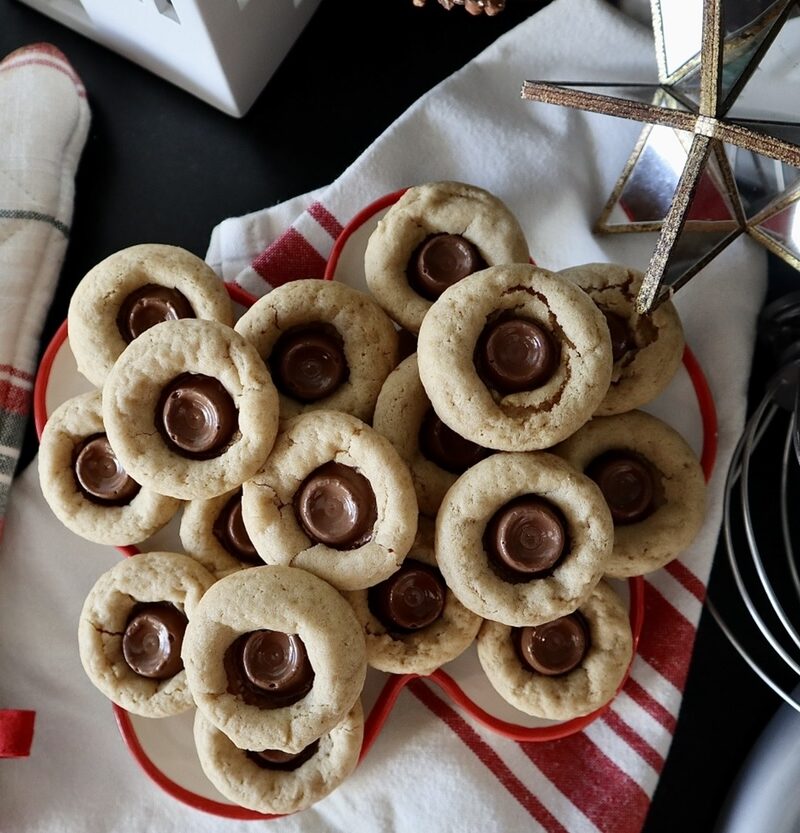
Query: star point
(699, 175)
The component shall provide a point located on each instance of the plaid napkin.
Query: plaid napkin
(44, 120)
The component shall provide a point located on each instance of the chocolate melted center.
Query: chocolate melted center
(627, 483)
(514, 355)
(443, 446)
(277, 759)
(230, 531)
(196, 416)
(621, 335)
(335, 506)
(100, 475)
(150, 305)
(151, 643)
(308, 362)
(440, 261)
(554, 648)
(410, 599)
(525, 539)
(268, 669)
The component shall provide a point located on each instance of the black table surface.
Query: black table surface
(162, 166)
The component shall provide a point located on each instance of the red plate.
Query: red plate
(165, 747)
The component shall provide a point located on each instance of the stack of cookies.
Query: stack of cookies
(345, 503)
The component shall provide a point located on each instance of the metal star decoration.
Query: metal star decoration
(707, 167)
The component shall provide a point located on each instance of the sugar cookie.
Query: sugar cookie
(132, 289)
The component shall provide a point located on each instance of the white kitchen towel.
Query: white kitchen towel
(432, 767)
(44, 120)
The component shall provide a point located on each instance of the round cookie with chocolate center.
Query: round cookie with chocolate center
(334, 498)
(274, 781)
(514, 358)
(647, 349)
(132, 627)
(275, 658)
(132, 290)
(213, 532)
(190, 409)
(413, 622)
(85, 484)
(435, 235)
(434, 453)
(523, 538)
(328, 346)
(564, 668)
(652, 482)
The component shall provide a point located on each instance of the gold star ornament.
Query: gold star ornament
(715, 159)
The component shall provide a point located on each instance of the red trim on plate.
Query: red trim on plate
(199, 802)
(395, 683)
(239, 295)
(556, 730)
(708, 411)
(358, 220)
(372, 727)
(43, 376)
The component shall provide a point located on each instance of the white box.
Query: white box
(222, 51)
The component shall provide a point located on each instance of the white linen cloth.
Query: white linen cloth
(432, 767)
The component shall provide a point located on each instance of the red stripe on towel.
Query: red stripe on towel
(14, 399)
(290, 257)
(592, 782)
(324, 217)
(487, 756)
(667, 629)
(680, 572)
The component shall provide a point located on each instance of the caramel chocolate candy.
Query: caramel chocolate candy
(283, 761)
(152, 641)
(335, 505)
(525, 538)
(440, 261)
(553, 648)
(150, 305)
(100, 475)
(308, 362)
(443, 446)
(515, 354)
(410, 599)
(621, 336)
(268, 669)
(196, 416)
(230, 531)
(627, 483)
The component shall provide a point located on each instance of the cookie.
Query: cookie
(132, 626)
(434, 453)
(412, 621)
(652, 481)
(273, 781)
(327, 345)
(436, 234)
(190, 409)
(85, 485)
(523, 538)
(133, 289)
(647, 349)
(334, 498)
(275, 658)
(562, 669)
(213, 532)
(515, 358)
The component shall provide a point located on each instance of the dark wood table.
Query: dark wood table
(151, 145)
